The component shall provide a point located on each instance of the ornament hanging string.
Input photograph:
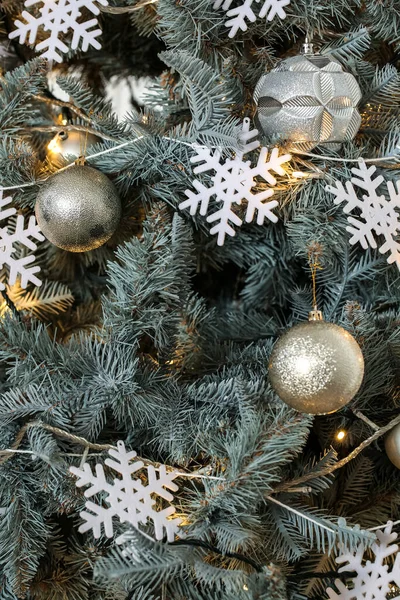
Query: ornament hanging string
(84, 143)
(314, 253)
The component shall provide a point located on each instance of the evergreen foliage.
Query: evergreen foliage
(162, 339)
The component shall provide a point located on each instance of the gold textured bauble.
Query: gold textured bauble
(392, 445)
(316, 367)
(78, 209)
(67, 146)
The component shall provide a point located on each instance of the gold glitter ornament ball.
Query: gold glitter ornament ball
(392, 446)
(78, 209)
(316, 367)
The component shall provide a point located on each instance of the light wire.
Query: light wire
(190, 145)
(97, 154)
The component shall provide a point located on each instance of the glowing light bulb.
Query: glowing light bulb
(245, 587)
(54, 146)
(340, 435)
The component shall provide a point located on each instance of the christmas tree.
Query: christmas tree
(182, 183)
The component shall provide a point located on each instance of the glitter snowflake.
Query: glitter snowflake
(233, 182)
(128, 498)
(375, 213)
(9, 249)
(374, 579)
(57, 17)
(239, 16)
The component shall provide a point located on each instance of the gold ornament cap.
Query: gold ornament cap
(315, 315)
(308, 47)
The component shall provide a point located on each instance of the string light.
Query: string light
(54, 145)
(341, 435)
(190, 145)
(343, 160)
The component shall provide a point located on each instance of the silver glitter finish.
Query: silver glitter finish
(392, 446)
(316, 367)
(69, 144)
(78, 209)
(309, 99)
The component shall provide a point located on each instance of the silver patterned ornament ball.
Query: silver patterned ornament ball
(309, 100)
(316, 367)
(78, 209)
(392, 446)
(67, 146)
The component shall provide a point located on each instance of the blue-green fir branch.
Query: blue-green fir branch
(165, 342)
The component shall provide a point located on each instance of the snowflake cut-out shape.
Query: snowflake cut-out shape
(374, 579)
(233, 181)
(377, 213)
(128, 498)
(58, 17)
(239, 15)
(11, 238)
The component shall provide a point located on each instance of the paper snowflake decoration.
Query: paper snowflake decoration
(11, 239)
(58, 17)
(375, 214)
(233, 182)
(239, 16)
(128, 498)
(374, 579)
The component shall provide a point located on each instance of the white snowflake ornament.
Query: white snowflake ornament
(239, 16)
(58, 17)
(127, 498)
(10, 240)
(374, 579)
(376, 214)
(233, 181)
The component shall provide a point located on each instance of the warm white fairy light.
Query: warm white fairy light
(54, 145)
